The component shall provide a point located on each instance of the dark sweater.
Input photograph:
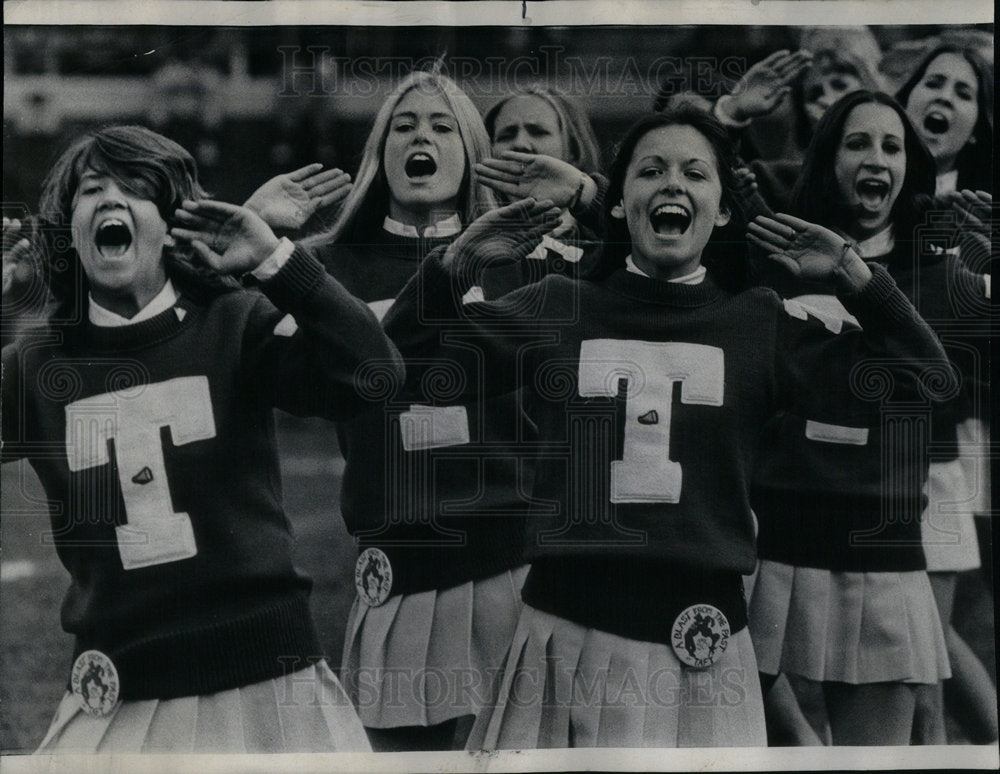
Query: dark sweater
(440, 486)
(155, 445)
(850, 499)
(651, 397)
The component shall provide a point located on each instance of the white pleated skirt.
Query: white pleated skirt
(565, 685)
(425, 658)
(956, 491)
(850, 627)
(304, 712)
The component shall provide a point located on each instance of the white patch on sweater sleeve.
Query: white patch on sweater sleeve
(381, 307)
(473, 295)
(820, 431)
(431, 427)
(286, 326)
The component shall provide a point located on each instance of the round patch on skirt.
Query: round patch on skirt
(699, 636)
(94, 680)
(373, 577)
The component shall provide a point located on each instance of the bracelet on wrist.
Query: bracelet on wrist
(578, 193)
(847, 246)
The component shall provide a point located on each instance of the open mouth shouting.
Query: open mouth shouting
(937, 122)
(873, 193)
(113, 238)
(669, 220)
(420, 166)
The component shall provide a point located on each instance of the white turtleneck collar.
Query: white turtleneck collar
(105, 318)
(443, 228)
(694, 278)
(946, 183)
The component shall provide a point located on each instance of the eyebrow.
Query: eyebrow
(525, 123)
(866, 133)
(945, 76)
(656, 157)
(411, 114)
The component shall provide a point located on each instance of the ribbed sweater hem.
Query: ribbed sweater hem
(634, 598)
(269, 642)
(444, 560)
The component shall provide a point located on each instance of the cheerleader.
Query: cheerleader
(145, 408)
(634, 631)
(544, 147)
(434, 494)
(842, 595)
(833, 61)
(949, 98)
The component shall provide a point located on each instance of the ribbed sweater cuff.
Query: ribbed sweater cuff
(296, 280)
(880, 293)
(591, 215)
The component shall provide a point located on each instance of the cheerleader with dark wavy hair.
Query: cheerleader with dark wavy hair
(842, 596)
(650, 382)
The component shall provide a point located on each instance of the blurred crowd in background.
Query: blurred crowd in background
(254, 102)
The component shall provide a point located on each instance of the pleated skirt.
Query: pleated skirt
(956, 491)
(304, 712)
(421, 659)
(850, 627)
(565, 685)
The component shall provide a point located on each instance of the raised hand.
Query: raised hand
(503, 235)
(230, 239)
(974, 208)
(288, 201)
(809, 251)
(746, 182)
(765, 84)
(18, 264)
(519, 175)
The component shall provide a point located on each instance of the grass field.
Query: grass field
(35, 652)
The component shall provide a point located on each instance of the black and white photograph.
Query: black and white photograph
(497, 386)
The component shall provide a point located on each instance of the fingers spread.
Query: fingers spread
(772, 59)
(794, 64)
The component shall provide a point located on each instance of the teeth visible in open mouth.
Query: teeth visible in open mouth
(670, 220)
(936, 123)
(113, 238)
(872, 192)
(420, 165)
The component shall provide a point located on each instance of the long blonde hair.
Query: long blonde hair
(368, 203)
